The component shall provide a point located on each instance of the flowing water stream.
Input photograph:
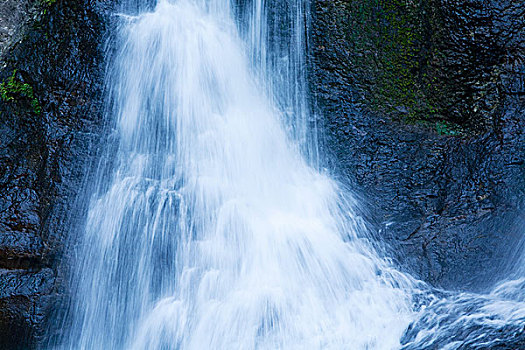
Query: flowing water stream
(211, 226)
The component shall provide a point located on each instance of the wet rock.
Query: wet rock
(13, 14)
(448, 201)
(24, 301)
(46, 149)
(433, 61)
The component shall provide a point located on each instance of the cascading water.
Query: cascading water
(460, 321)
(210, 226)
(212, 231)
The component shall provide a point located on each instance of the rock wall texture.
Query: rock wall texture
(423, 105)
(50, 118)
(13, 15)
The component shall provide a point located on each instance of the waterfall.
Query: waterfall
(210, 225)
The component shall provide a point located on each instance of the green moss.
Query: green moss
(447, 128)
(14, 90)
(398, 82)
(393, 38)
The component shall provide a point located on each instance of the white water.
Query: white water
(458, 321)
(212, 230)
(210, 226)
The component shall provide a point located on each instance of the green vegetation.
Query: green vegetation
(395, 53)
(13, 90)
(48, 2)
(446, 128)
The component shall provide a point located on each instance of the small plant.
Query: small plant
(444, 128)
(48, 2)
(13, 89)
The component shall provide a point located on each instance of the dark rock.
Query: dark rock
(449, 203)
(24, 301)
(45, 153)
(13, 14)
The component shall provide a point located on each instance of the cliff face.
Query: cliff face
(423, 105)
(50, 118)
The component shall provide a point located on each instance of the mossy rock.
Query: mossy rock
(426, 60)
(15, 90)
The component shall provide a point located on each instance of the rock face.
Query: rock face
(424, 112)
(13, 14)
(50, 118)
